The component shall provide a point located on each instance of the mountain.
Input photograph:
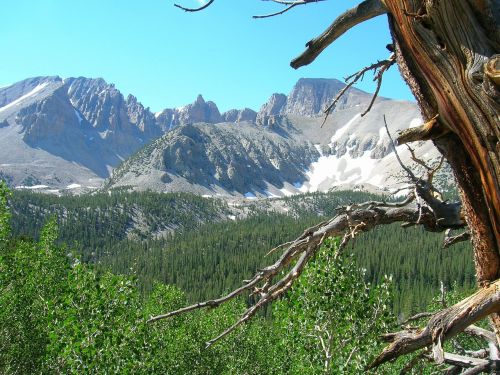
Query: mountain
(71, 134)
(64, 134)
(218, 159)
(293, 155)
(284, 151)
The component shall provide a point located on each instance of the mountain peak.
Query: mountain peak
(199, 99)
(310, 96)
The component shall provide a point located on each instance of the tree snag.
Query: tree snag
(448, 53)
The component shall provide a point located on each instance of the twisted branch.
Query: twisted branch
(366, 10)
(195, 9)
(379, 68)
(290, 5)
(442, 326)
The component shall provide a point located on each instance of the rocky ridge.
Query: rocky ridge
(64, 135)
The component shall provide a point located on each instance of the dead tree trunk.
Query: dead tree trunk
(446, 51)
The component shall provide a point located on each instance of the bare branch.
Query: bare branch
(432, 129)
(300, 251)
(443, 325)
(452, 240)
(366, 10)
(378, 78)
(379, 68)
(417, 159)
(195, 9)
(478, 369)
(432, 172)
(290, 5)
(417, 317)
(406, 169)
(463, 361)
(490, 338)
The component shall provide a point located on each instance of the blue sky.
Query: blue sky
(166, 57)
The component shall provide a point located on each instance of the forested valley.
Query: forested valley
(206, 246)
(80, 276)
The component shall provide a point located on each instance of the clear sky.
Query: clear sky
(166, 57)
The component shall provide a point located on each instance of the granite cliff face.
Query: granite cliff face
(199, 111)
(309, 97)
(124, 123)
(240, 115)
(58, 133)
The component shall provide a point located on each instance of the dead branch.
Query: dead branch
(443, 325)
(418, 316)
(416, 159)
(366, 10)
(463, 361)
(305, 246)
(432, 129)
(452, 240)
(195, 9)
(379, 68)
(425, 192)
(289, 5)
(489, 337)
(413, 178)
(480, 369)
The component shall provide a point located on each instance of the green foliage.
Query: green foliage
(205, 254)
(417, 262)
(4, 214)
(31, 280)
(58, 315)
(336, 316)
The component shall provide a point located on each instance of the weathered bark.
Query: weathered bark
(446, 52)
(443, 325)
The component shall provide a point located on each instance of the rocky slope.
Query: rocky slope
(293, 154)
(218, 159)
(66, 135)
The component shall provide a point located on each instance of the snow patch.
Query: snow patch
(287, 192)
(381, 134)
(20, 99)
(103, 134)
(80, 119)
(34, 187)
(318, 147)
(250, 195)
(344, 170)
(271, 195)
(73, 186)
(338, 134)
